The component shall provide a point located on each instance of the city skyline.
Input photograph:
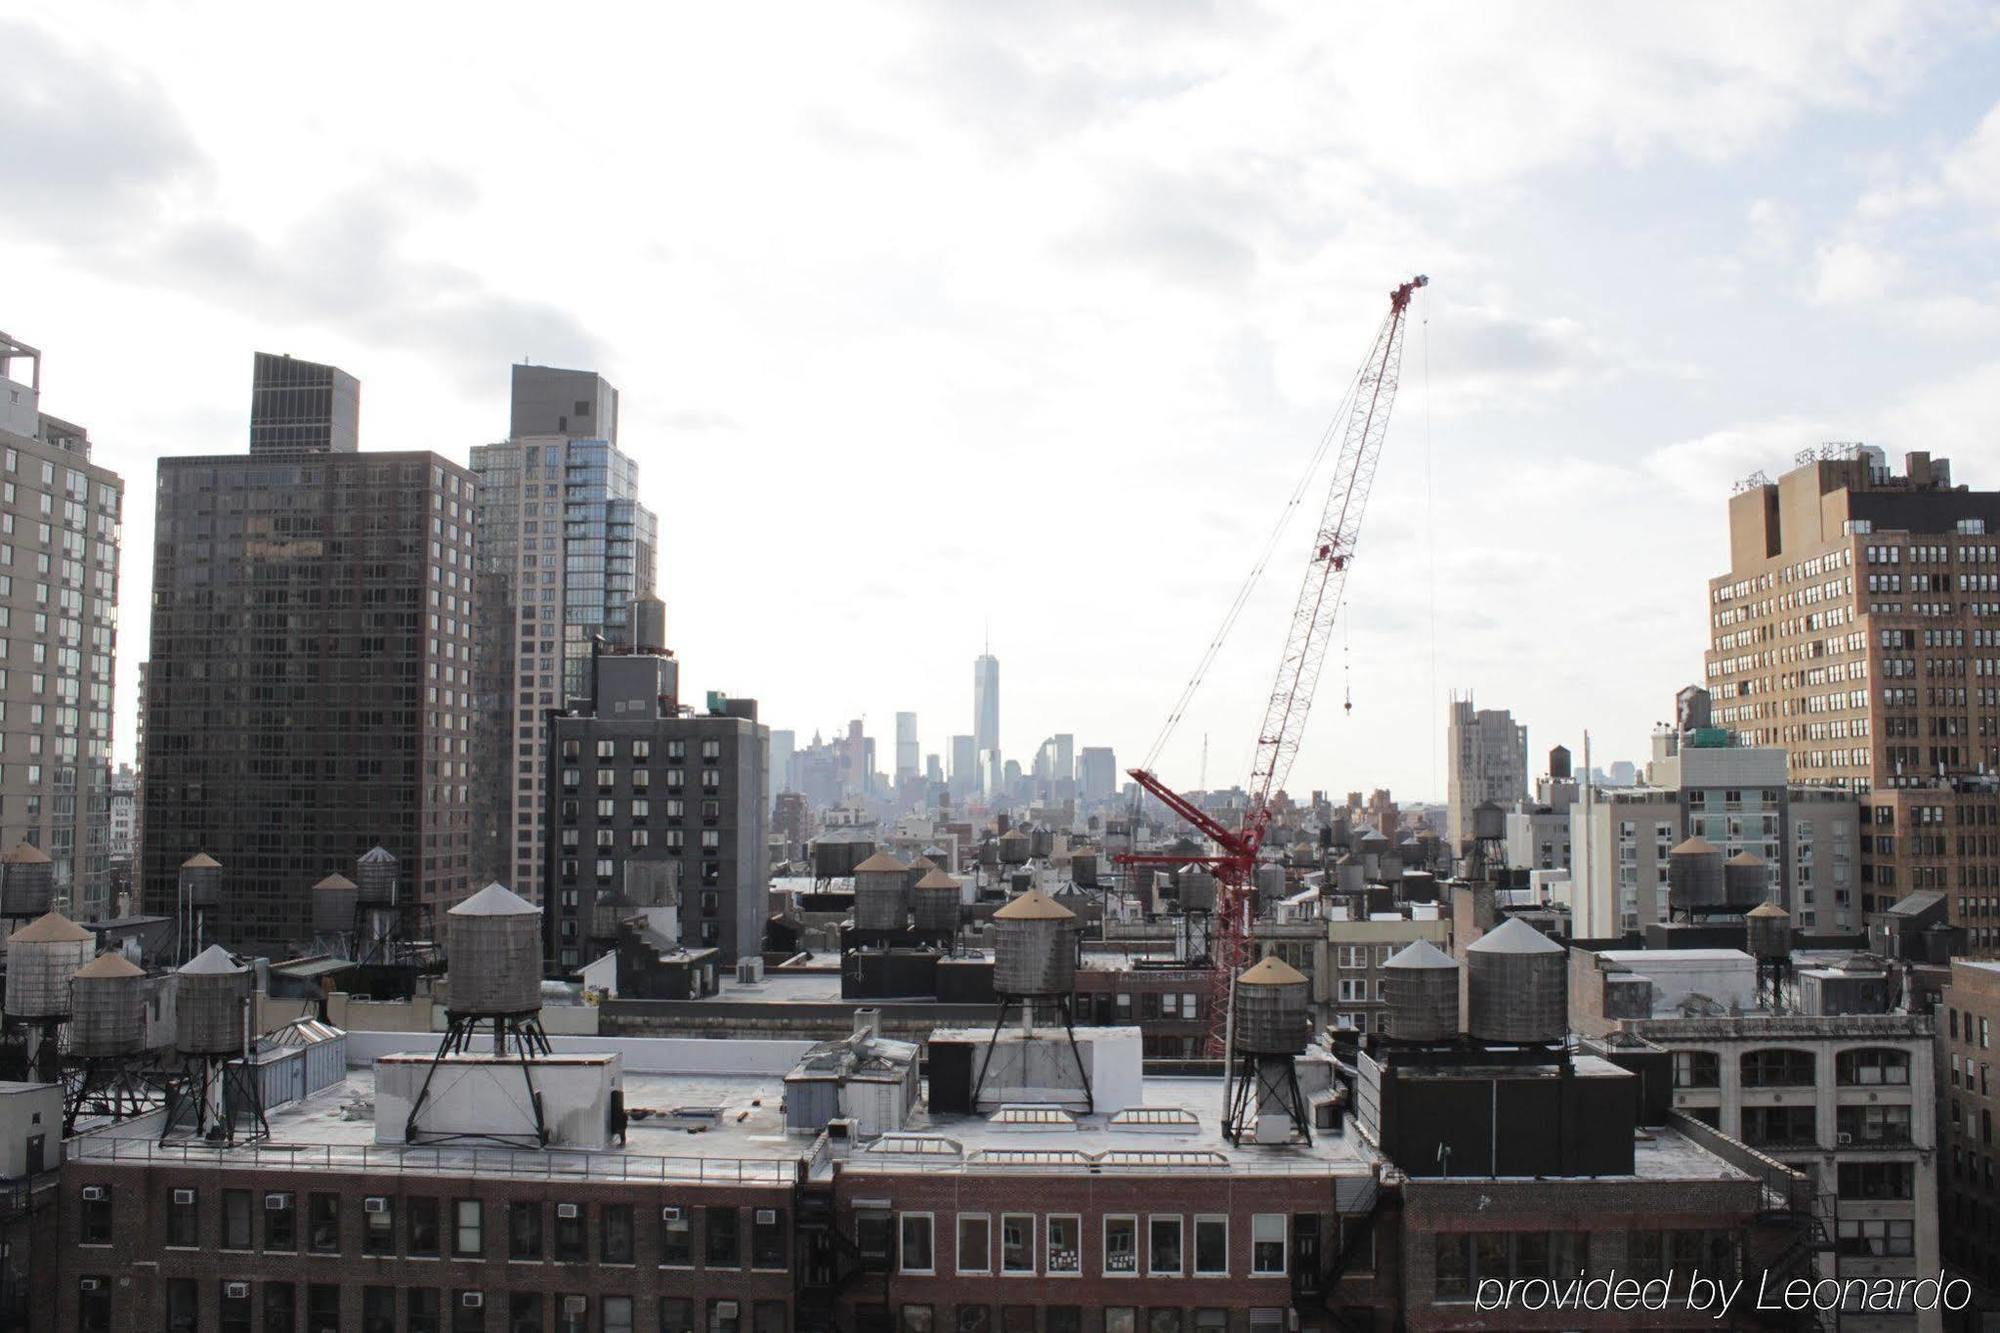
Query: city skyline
(1795, 260)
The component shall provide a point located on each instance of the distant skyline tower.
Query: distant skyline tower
(964, 766)
(986, 702)
(908, 754)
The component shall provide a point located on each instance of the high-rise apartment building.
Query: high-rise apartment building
(309, 685)
(565, 552)
(1489, 762)
(302, 407)
(1858, 629)
(908, 752)
(986, 702)
(637, 781)
(59, 541)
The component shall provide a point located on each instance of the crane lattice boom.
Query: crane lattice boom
(1320, 593)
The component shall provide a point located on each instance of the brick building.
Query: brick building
(1968, 1024)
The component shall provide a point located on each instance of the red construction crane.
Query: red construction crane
(1235, 863)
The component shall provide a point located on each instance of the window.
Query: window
(378, 1309)
(617, 1313)
(1873, 1124)
(1466, 1259)
(233, 1307)
(1878, 1237)
(767, 1238)
(421, 1238)
(1017, 1242)
(1697, 1069)
(93, 1304)
(1121, 1246)
(524, 1230)
(468, 1318)
(94, 1216)
(281, 1307)
(914, 1253)
(378, 1225)
(323, 1308)
(183, 1305)
(183, 1218)
(1267, 1243)
(467, 1223)
(235, 1220)
(724, 1249)
(676, 1315)
(424, 1305)
(1877, 1180)
(1780, 1126)
(1211, 1247)
(614, 1240)
(1064, 1244)
(676, 1239)
(1778, 1068)
(1163, 1246)
(524, 1312)
(975, 1243)
(323, 1223)
(1661, 1254)
(1870, 1067)
(569, 1233)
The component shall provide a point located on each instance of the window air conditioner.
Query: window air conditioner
(236, 1291)
(277, 1203)
(375, 1203)
(575, 1304)
(94, 1194)
(671, 1213)
(565, 1210)
(90, 1284)
(183, 1197)
(472, 1300)
(767, 1217)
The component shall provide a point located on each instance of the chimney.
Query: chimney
(868, 1022)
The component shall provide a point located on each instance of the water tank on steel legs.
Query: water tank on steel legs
(1083, 867)
(375, 872)
(1034, 952)
(1767, 928)
(209, 994)
(495, 961)
(1013, 847)
(201, 881)
(1197, 890)
(1519, 981)
(1270, 1015)
(1420, 983)
(1489, 822)
(1745, 882)
(1041, 842)
(934, 902)
(1271, 884)
(333, 904)
(27, 882)
(920, 867)
(108, 1008)
(1694, 876)
(881, 893)
(42, 956)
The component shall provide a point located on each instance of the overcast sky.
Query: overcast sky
(932, 316)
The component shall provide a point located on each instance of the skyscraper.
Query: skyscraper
(1849, 632)
(964, 766)
(1097, 773)
(59, 607)
(309, 685)
(783, 743)
(302, 407)
(986, 702)
(565, 550)
(908, 754)
(1488, 760)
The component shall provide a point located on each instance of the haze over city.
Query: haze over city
(933, 317)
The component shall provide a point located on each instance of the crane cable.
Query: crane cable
(1341, 413)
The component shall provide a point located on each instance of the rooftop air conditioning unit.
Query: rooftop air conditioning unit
(236, 1291)
(472, 1300)
(94, 1194)
(183, 1197)
(374, 1203)
(749, 971)
(565, 1210)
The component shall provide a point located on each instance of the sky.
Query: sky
(935, 321)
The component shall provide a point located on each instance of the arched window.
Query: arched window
(1872, 1066)
(1778, 1067)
